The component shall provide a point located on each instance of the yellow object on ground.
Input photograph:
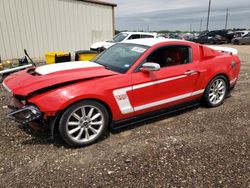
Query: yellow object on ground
(85, 55)
(7, 64)
(57, 57)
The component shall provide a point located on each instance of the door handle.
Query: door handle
(190, 72)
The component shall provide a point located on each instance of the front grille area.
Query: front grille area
(19, 101)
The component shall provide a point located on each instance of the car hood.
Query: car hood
(98, 45)
(109, 44)
(104, 44)
(30, 80)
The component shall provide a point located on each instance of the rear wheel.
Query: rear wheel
(83, 123)
(216, 91)
(237, 42)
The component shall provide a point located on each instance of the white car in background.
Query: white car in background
(241, 33)
(123, 36)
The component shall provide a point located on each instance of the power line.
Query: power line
(226, 19)
(201, 25)
(208, 13)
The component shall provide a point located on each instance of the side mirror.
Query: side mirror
(147, 67)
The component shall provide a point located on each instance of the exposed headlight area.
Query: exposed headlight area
(21, 100)
(25, 114)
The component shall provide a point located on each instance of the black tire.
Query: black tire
(76, 108)
(236, 42)
(209, 92)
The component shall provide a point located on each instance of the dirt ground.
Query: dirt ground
(200, 147)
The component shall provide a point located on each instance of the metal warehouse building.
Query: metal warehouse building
(53, 25)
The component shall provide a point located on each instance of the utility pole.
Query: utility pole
(190, 28)
(226, 19)
(208, 13)
(201, 25)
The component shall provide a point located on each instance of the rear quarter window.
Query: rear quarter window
(134, 37)
(147, 36)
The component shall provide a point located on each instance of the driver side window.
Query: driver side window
(171, 56)
(134, 37)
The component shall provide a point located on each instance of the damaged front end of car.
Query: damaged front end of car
(20, 111)
(31, 120)
(25, 114)
(28, 116)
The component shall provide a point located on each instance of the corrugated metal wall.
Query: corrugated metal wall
(51, 25)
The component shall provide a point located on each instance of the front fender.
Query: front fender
(59, 99)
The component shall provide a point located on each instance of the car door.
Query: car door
(246, 39)
(174, 83)
(143, 88)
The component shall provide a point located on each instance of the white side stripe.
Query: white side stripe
(125, 106)
(170, 79)
(122, 100)
(198, 92)
(165, 101)
(157, 82)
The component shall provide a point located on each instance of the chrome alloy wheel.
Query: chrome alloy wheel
(217, 91)
(85, 123)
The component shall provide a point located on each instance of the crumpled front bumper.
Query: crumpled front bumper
(25, 114)
(29, 117)
(31, 120)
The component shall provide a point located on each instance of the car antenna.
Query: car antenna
(32, 62)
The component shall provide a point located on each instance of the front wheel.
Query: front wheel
(83, 123)
(216, 91)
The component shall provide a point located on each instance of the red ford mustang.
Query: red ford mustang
(128, 82)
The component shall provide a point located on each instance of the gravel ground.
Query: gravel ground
(200, 147)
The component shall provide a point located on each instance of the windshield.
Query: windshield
(119, 37)
(120, 57)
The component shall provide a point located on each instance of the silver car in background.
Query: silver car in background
(242, 40)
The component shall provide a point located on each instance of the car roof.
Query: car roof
(139, 33)
(151, 41)
(242, 31)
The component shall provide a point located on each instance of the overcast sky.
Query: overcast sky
(179, 14)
